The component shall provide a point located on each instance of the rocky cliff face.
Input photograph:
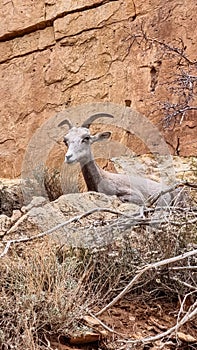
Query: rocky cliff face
(57, 53)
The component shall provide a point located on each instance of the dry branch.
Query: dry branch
(171, 189)
(188, 316)
(55, 228)
(127, 221)
(190, 267)
(166, 47)
(184, 283)
(141, 272)
(103, 324)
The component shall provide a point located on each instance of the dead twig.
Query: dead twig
(181, 310)
(192, 312)
(141, 272)
(154, 198)
(190, 267)
(127, 221)
(104, 325)
(184, 284)
(55, 228)
(167, 47)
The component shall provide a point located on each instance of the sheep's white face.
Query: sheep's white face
(78, 141)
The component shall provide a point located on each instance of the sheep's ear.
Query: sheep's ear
(101, 136)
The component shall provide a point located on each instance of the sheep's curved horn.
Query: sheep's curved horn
(93, 117)
(67, 122)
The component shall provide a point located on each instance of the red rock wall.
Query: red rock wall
(57, 53)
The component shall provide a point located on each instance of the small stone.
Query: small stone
(5, 224)
(15, 216)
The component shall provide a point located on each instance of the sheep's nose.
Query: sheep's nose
(68, 157)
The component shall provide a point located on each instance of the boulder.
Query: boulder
(41, 216)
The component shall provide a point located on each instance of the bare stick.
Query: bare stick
(189, 315)
(181, 310)
(154, 198)
(104, 325)
(178, 51)
(141, 272)
(131, 220)
(185, 283)
(55, 228)
(190, 267)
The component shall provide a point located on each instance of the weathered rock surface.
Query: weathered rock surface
(55, 54)
(40, 216)
(11, 197)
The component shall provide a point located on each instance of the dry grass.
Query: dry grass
(42, 292)
(45, 289)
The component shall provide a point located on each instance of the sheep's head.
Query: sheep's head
(78, 139)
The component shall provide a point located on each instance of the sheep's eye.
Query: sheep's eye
(65, 142)
(86, 139)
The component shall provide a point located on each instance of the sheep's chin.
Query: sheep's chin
(70, 161)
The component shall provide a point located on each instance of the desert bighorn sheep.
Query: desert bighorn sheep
(128, 188)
